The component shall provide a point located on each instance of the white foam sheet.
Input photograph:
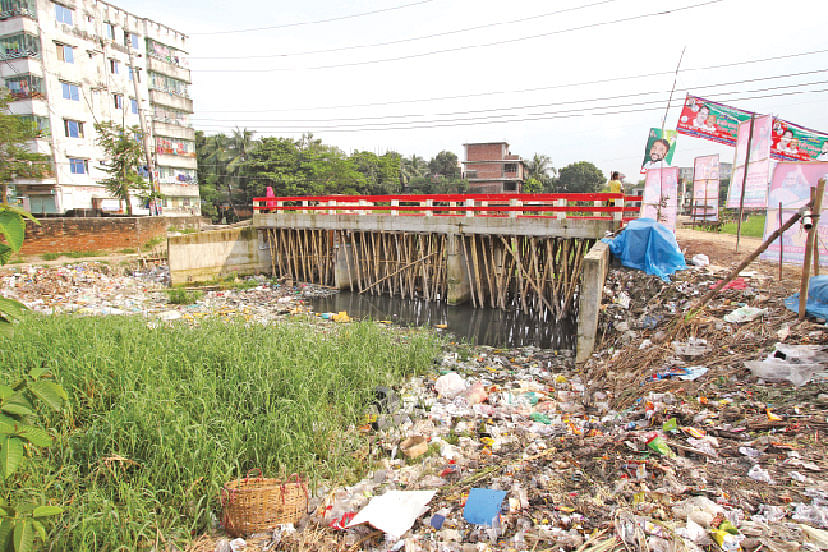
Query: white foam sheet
(394, 512)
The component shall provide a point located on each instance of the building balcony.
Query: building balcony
(173, 131)
(170, 69)
(176, 161)
(180, 190)
(171, 100)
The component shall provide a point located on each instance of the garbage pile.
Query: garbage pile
(98, 289)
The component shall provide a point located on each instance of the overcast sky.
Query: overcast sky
(287, 90)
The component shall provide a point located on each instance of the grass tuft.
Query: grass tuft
(160, 418)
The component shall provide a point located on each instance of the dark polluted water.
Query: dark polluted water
(485, 326)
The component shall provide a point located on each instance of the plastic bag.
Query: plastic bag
(649, 246)
(450, 385)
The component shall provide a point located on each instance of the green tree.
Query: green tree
(16, 159)
(123, 155)
(207, 189)
(411, 168)
(533, 186)
(381, 172)
(581, 177)
(540, 168)
(445, 164)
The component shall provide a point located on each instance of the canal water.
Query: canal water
(485, 326)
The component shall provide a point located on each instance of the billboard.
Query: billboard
(791, 186)
(711, 120)
(790, 142)
(758, 170)
(660, 196)
(661, 145)
(706, 187)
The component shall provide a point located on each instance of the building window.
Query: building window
(40, 124)
(510, 168)
(25, 86)
(66, 53)
(63, 14)
(133, 106)
(109, 31)
(13, 8)
(135, 41)
(78, 166)
(119, 101)
(19, 45)
(70, 91)
(114, 66)
(73, 129)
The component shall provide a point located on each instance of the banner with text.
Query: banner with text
(661, 195)
(706, 188)
(792, 142)
(661, 145)
(758, 171)
(791, 186)
(711, 120)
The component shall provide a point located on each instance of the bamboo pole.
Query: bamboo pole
(816, 204)
(529, 279)
(744, 183)
(781, 241)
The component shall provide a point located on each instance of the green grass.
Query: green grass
(753, 226)
(180, 296)
(191, 408)
(153, 243)
(73, 255)
(128, 250)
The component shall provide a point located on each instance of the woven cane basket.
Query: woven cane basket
(258, 504)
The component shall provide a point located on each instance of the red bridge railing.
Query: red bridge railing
(599, 206)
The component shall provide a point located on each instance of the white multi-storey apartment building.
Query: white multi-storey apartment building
(72, 63)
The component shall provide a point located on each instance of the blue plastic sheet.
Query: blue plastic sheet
(817, 304)
(483, 506)
(649, 246)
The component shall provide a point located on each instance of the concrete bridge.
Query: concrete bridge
(537, 253)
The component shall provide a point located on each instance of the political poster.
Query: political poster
(711, 120)
(661, 145)
(758, 171)
(790, 142)
(706, 188)
(661, 195)
(791, 185)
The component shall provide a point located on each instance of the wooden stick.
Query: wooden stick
(816, 204)
(528, 278)
(817, 208)
(781, 241)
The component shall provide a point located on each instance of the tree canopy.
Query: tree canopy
(233, 169)
(582, 177)
(16, 159)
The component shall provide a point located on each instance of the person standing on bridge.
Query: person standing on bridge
(615, 186)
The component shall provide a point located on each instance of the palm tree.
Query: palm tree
(540, 167)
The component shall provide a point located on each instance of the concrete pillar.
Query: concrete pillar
(344, 258)
(593, 276)
(457, 274)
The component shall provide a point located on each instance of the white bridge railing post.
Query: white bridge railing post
(362, 203)
(515, 203)
(395, 203)
(619, 214)
(429, 203)
(560, 215)
(469, 203)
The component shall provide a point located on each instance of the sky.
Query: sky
(576, 80)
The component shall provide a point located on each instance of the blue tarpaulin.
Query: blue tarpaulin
(817, 304)
(649, 246)
(483, 506)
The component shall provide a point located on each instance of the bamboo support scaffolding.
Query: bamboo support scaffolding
(537, 275)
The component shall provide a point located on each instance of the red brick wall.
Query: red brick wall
(484, 152)
(61, 235)
(486, 170)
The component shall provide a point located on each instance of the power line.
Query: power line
(582, 109)
(520, 91)
(416, 38)
(467, 47)
(513, 108)
(553, 115)
(317, 21)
